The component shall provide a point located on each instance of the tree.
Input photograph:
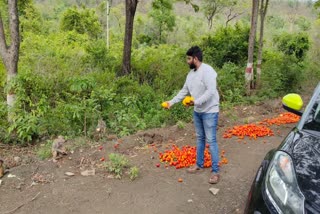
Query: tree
(233, 11)
(252, 36)
(10, 53)
(131, 7)
(263, 12)
(163, 17)
(213, 7)
(82, 21)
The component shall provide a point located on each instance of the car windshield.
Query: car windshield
(313, 119)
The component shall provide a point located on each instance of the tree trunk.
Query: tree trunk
(263, 12)
(253, 29)
(131, 6)
(10, 53)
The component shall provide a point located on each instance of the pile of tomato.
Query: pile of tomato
(250, 130)
(284, 118)
(261, 129)
(186, 156)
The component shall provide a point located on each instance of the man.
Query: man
(201, 84)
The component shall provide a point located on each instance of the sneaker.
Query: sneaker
(214, 178)
(194, 169)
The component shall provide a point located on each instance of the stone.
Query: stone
(88, 172)
(17, 159)
(69, 173)
(214, 191)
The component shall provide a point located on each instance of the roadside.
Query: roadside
(42, 186)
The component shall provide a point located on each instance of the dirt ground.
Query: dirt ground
(42, 186)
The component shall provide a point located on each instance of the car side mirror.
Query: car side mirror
(293, 103)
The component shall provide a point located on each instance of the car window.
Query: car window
(313, 118)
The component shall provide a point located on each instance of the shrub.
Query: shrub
(227, 44)
(117, 164)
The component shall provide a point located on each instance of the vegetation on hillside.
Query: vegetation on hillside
(68, 79)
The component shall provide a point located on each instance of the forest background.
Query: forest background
(71, 56)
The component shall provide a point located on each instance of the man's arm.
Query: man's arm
(180, 96)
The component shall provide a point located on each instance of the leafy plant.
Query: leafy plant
(134, 172)
(181, 124)
(117, 164)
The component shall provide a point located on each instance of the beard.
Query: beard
(192, 66)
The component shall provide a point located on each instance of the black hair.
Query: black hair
(195, 51)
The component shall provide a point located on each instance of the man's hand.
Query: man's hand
(165, 105)
(188, 101)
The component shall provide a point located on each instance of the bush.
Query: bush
(227, 44)
(281, 74)
(117, 164)
(293, 44)
(231, 83)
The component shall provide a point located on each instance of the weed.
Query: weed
(44, 151)
(181, 124)
(117, 164)
(134, 172)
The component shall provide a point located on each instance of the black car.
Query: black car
(288, 180)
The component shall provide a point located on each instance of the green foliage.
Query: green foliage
(30, 19)
(293, 44)
(211, 8)
(98, 55)
(303, 23)
(163, 17)
(231, 83)
(227, 44)
(68, 79)
(181, 124)
(117, 164)
(149, 67)
(134, 173)
(82, 21)
(25, 126)
(281, 74)
(276, 21)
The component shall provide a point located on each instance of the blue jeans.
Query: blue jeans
(206, 130)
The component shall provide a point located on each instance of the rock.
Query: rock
(34, 183)
(190, 201)
(70, 158)
(88, 172)
(11, 176)
(214, 191)
(110, 176)
(69, 173)
(0, 182)
(17, 159)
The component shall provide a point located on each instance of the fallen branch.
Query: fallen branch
(15, 209)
